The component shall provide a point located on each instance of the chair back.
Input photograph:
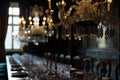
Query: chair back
(117, 72)
(61, 58)
(67, 59)
(76, 62)
(104, 68)
(87, 64)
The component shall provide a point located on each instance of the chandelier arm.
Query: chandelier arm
(77, 2)
(70, 9)
(71, 20)
(97, 3)
(57, 25)
(102, 2)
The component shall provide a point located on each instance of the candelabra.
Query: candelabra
(49, 20)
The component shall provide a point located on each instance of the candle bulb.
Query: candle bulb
(30, 18)
(22, 22)
(30, 22)
(43, 23)
(49, 4)
(22, 18)
(44, 18)
(109, 1)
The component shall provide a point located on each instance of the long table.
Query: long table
(9, 71)
(40, 70)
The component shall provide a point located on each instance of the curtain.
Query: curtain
(3, 28)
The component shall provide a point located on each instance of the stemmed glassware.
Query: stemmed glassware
(37, 69)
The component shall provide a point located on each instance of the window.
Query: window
(12, 38)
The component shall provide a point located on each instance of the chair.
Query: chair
(75, 61)
(48, 55)
(87, 64)
(85, 67)
(117, 72)
(60, 58)
(104, 68)
(67, 59)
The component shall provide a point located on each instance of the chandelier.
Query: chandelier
(86, 18)
(34, 31)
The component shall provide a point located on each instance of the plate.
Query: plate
(19, 74)
(17, 68)
(106, 78)
(15, 65)
(79, 72)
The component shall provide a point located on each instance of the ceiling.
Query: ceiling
(44, 4)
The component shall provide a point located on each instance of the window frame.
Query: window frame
(13, 5)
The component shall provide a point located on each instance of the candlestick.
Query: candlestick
(49, 4)
(22, 23)
(108, 7)
(108, 4)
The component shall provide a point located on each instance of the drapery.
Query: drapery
(3, 28)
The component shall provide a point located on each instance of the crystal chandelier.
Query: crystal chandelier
(86, 18)
(34, 31)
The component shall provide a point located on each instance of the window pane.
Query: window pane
(10, 20)
(8, 42)
(16, 20)
(10, 10)
(16, 28)
(16, 41)
(16, 11)
(16, 44)
(16, 32)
